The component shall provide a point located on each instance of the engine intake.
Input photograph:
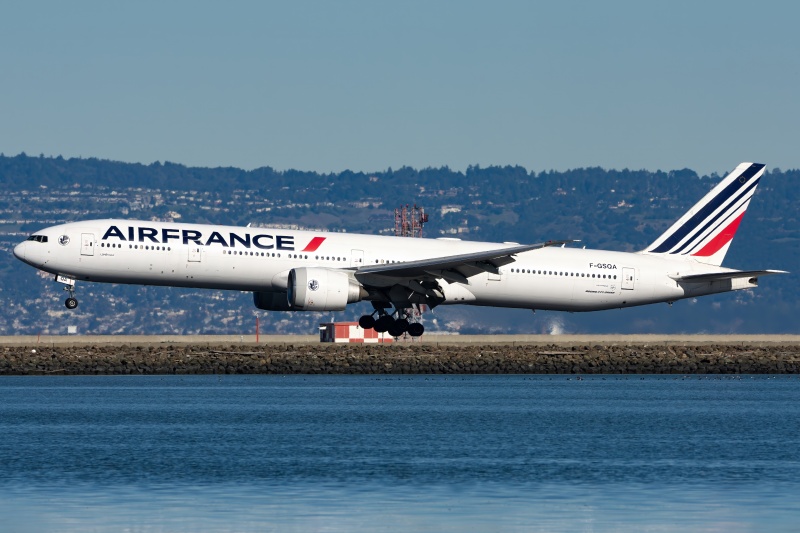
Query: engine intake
(322, 289)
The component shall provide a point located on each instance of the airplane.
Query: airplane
(315, 271)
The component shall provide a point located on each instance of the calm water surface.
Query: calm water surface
(368, 453)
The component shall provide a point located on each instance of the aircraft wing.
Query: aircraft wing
(453, 268)
(731, 274)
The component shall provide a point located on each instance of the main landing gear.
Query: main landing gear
(386, 323)
(69, 286)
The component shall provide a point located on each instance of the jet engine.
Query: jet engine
(271, 301)
(322, 289)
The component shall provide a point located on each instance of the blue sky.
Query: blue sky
(328, 86)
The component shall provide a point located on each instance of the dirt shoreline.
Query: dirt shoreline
(561, 358)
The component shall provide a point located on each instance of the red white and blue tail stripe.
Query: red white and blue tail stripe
(705, 232)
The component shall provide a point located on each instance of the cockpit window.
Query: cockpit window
(38, 238)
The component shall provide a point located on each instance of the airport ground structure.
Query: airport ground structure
(678, 355)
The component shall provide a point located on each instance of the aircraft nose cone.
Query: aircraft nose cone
(19, 251)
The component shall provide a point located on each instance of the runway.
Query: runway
(427, 339)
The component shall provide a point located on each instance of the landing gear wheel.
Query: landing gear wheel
(416, 329)
(366, 322)
(383, 324)
(396, 330)
(71, 303)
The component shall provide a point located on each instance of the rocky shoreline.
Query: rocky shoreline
(400, 359)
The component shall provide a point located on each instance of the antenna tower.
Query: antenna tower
(408, 221)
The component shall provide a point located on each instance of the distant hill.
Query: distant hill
(615, 209)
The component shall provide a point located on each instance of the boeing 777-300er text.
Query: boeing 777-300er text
(311, 271)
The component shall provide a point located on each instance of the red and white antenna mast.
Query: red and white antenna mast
(408, 221)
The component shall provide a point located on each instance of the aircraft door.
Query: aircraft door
(356, 258)
(87, 243)
(194, 253)
(628, 278)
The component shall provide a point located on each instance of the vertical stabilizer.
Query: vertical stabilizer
(705, 232)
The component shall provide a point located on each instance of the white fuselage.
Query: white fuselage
(259, 259)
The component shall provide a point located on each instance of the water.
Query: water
(405, 453)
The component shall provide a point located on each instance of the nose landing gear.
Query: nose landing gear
(69, 286)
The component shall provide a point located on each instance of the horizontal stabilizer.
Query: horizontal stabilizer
(730, 274)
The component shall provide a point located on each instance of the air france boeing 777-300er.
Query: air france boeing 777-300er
(312, 271)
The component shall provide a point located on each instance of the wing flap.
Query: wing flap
(452, 276)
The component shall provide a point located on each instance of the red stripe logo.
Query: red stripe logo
(314, 244)
(724, 237)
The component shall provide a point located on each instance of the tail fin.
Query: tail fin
(705, 232)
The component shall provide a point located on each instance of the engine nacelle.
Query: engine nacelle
(271, 301)
(322, 289)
